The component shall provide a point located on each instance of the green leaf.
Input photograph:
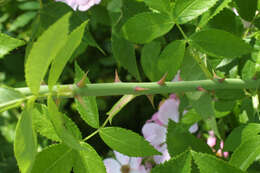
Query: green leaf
(180, 164)
(88, 161)
(59, 125)
(126, 142)
(54, 159)
(212, 13)
(120, 104)
(246, 153)
(249, 70)
(186, 10)
(149, 58)
(190, 69)
(22, 20)
(144, 27)
(219, 43)
(243, 9)
(209, 164)
(31, 5)
(171, 58)
(58, 64)
(7, 44)
(240, 135)
(160, 5)
(44, 126)
(203, 104)
(179, 140)
(44, 50)
(124, 53)
(9, 97)
(25, 143)
(86, 105)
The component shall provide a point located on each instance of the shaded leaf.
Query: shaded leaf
(209, 164)
(88, 161)
(86, 105)
(203, 104)
(219, 43)
(180, 164)
(179, 140)
(171, 58)
(161, 5)
(124, 53)
(7, 44)
(43, 124)
(59, 125)
(54, 159)
(215, 11)
(190, 69)
(240, 135)
(246, 153)
(243, 8)
(144, 27)
(9, 97)
(25, 143)
(127, 142)
(149, 58)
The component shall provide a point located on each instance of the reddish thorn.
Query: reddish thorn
(82, 82)
(221, 80)
(163, 79)
(81, 101)
(57, 101)
(199, 88)
(140, 89)
(117, 77)
(151, 99)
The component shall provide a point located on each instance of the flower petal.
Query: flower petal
(135, 162)
(194, 128)
(211, 141)
(123, 159)
(169, 110)
(154, 133)
(112, 166)
(164, 157)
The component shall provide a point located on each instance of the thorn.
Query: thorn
(162, 80)
(140, 89)
(81, 101)
(151, 99)
(222, 80)
(117, 77)
(199, 88)
(82, 82)
(57, 101)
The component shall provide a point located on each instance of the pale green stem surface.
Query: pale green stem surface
(145, 88)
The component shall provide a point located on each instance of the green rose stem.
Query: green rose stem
(148, 88)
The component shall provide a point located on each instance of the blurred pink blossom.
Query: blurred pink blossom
(82, 5)
(155, 129)
(211, 141)
(124, 164)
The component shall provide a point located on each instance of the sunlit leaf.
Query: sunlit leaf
(127, 142)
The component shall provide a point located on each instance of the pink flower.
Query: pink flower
(82, 5)
(155, 129)
(124, 164)
(211, 141)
